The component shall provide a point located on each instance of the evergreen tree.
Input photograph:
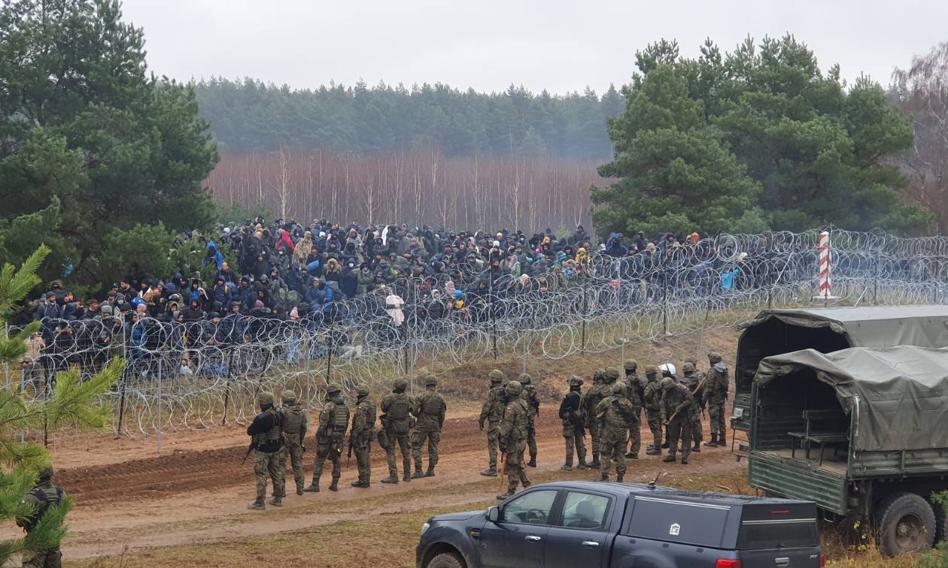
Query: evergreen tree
(73, 402)
(87, 126)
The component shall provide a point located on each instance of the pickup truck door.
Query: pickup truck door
(580, 535)
(517, 539)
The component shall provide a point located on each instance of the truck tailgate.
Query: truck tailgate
(798, 479)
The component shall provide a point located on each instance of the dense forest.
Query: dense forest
(251, 116)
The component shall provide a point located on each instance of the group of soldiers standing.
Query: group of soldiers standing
(611, 411)
(278, 434)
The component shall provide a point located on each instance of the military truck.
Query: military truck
(827, 330)
(861, 432)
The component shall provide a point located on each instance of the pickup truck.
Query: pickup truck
(616, 525)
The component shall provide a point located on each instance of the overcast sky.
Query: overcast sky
(488, 44)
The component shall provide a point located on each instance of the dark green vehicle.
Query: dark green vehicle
(827, 330)
(861, 432)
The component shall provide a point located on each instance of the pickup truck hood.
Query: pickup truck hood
(457, 516)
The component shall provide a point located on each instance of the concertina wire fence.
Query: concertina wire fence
(553, 316)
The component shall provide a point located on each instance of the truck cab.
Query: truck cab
(774, 332)
(862, 433)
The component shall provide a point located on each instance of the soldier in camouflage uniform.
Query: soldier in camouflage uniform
(593, 396)
(615, 414)
(43, 496)
(652, 400)
(361, 434)
(491, 412)
(635, 392)
(676, 414)
(571, 413)
(294, 430)
(396, 423)
(533, 410)
(512, 436)
(330, 435)
(428, 409)
(693, 381)
(266, 435)
(715, 394)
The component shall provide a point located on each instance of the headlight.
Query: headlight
(425, 527)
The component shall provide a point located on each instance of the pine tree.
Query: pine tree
(73, 402)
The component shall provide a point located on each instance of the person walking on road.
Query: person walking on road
(491, 413)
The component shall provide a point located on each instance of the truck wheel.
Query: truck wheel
(905, 522)
(446, 560)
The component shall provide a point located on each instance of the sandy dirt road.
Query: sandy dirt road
(198, 491)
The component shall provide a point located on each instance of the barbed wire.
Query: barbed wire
(201, 374)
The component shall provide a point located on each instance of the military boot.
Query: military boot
(632, 456)
(490, 472)
(684, 460)
(335, 484)
(276, 501)
(582, 465)
(604, 477)
(392, 479)
(430, 472)
(713, 442)
(665, 445)
(313, 487)
(696, 448)
(257, 505)
(406, 477)
(670, 458)
(595, 461)
(418, 474)
(567, 467)
(532, 462)
(653, 451)
(503, 496)
(299, 489)
(620, 477)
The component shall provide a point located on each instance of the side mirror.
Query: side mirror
(493, 514)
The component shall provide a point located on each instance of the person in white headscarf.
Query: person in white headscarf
(393, 307)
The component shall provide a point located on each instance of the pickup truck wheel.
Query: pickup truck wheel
(905, 522)
(446, 560)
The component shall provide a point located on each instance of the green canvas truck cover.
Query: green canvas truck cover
(899, 394)
(873, 326)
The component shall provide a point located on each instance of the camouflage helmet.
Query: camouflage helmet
(265, 398)
(399, 385)
(362, 391)
(714, 357)
(332, 389)
(525, 379)
(612, 374)
(651, 371)
(431, 381)
(45, 473)
(288, 396)
(618, 389)
(575, 381)
(631, 365)
(496, 376)
(668, 383)
(599, 375)
(688, 368)
(514, 388)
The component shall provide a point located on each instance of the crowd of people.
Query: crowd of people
(261, 275)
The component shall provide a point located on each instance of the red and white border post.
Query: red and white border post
(825, 263)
